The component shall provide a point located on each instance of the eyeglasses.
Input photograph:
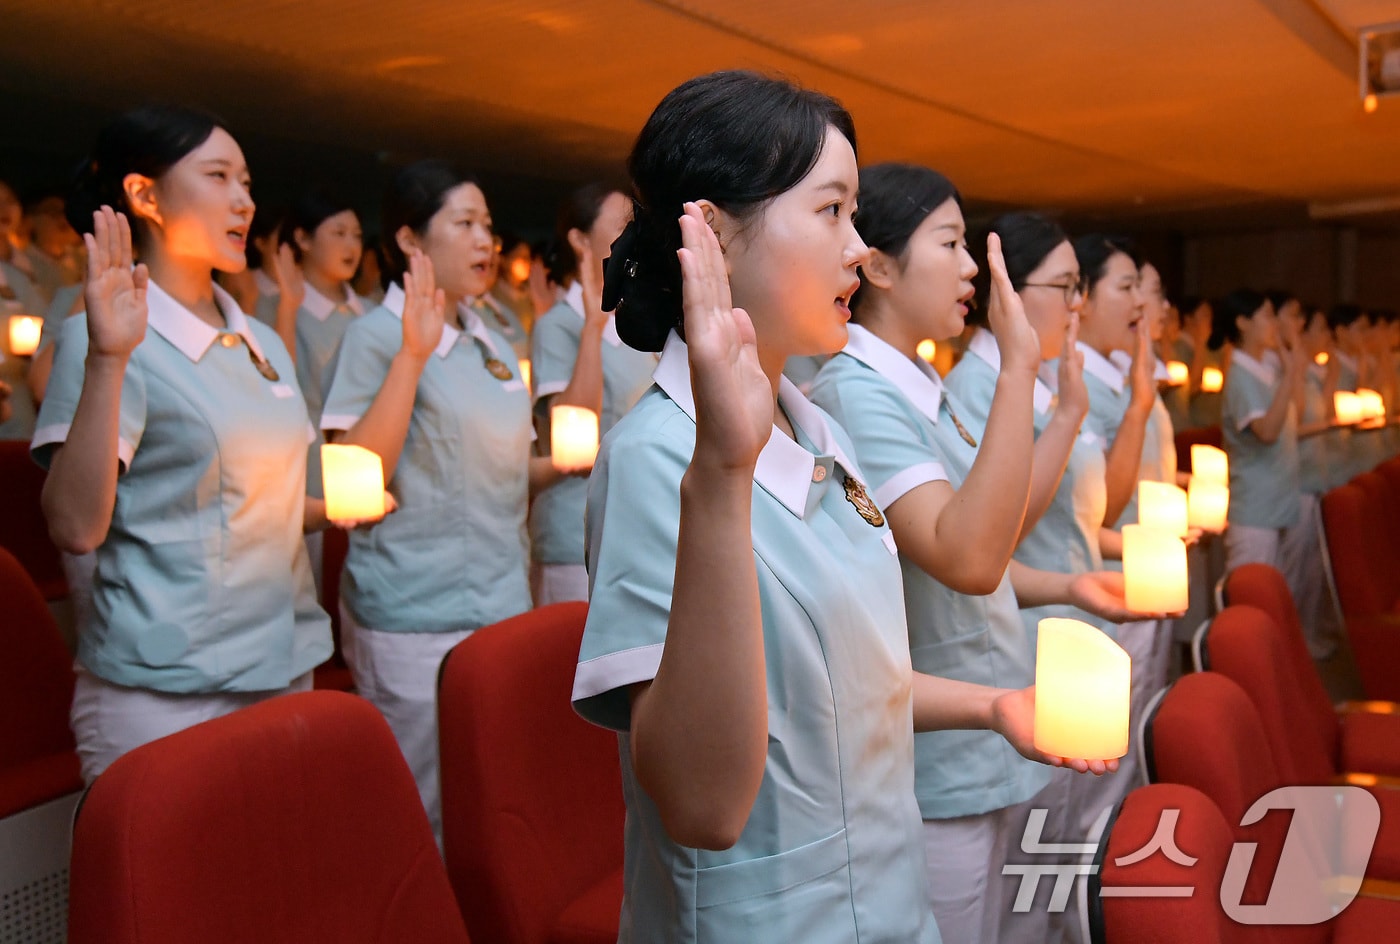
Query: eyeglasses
(1069, 289)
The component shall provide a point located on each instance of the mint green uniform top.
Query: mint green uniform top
(202, 584)
(1178, 398)
(1066, 538)
(503, 320)
(453, 556)
(320, 328)
(59, 310)
(1206, 407)
(556, 518)
(1264, 484)
(832, 851)
(1315, 453)
(900, 420)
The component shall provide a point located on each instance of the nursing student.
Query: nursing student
(423, 382)
(176, 447)
(746, 632)
(1260, 426)
(954, 493)
(579, 360)
(1300, 552)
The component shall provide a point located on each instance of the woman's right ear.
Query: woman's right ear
(878, 270)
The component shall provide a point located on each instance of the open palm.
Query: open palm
(115, 292)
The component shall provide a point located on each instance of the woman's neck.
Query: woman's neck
(331, 288)
(189, 282)
(880, 320)
(1254, 349)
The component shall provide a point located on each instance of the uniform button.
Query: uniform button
(228, 340)
(819, 473)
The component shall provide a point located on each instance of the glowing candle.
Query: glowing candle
(1154, 570)
(1372, 404)
(573, 437)
(1207, 505)
(1082, 684)
(1163, 505)
(1212, 380)
(353, 478)
(525, 372)
(1347, 406)
(1209, 464)
(1177, 373)
(24, 334)
(927, 349)
(1322, 358)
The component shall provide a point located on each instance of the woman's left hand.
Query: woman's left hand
(1101, 593)
(364, 524)
(1144, 387)
(1013, 716)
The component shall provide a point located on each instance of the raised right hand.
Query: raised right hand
(1073, 393)
(733, 398)
(115, 292)
(290, 280)
(590, 280)
(1006, 316)
(424, 307)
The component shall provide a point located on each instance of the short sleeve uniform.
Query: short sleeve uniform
(203, 583)
(901, 421)
(832, 849)
(504, 321)
(556, 518)
(1066, 538)
(1178, 398)
(453, 556)
(64, 306)
(1315, 458)
(18, 296)
(320, 327)
(1264, 482)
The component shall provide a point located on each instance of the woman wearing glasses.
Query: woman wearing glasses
(176, 446)
(954, 490)
(436, 392)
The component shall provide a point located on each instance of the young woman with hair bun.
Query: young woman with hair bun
(176, 447)
(746, 634)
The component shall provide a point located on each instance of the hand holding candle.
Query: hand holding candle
(1082, 683)
(573, 438)
(1208, 505)
(1163, 505)
(1209, 464)
(1348, 407)
(353, 478)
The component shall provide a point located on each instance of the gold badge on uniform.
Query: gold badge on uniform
(856, 495)
(962, 430)
(264, 368)
(498, 368)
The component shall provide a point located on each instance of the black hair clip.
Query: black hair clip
(620, 266)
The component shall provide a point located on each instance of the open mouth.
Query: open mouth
(843, 301)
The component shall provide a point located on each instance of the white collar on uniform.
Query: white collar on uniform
(984, 345)
(394, 301)
(785, 470)
(1101, 367)
(1264, 372)
(190, 334)
(267, 285)
(918, 382)
(574, 299)
(1124, 362)
(321, 307)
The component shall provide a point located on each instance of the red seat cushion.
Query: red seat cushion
(1371, 742)
(23, 530)
(592, 917)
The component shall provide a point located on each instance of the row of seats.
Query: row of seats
(1254, 718)
(1361, 522)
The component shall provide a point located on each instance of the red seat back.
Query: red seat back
(532, 807)
(36, 691)
(293, 820)
(1363, 588)
(1201, 833)
(23, 530)
(1264, 587)
(1245, 645)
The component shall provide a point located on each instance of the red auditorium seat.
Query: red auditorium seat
(1206, 733)
(1362, 736)
(532, 807)
(37, 759)
(293, 820)
(23, 530)
(1202, 834)
(1364, 555)
(333, 673)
